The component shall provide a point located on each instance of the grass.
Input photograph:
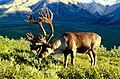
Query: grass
(18, 62)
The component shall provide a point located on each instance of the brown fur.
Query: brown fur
(85, 42)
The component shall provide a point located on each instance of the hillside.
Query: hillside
(17, 61)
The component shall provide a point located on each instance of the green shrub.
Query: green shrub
(18, 62)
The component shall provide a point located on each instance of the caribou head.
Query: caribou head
(38, 41)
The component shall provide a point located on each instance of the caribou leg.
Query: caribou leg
(73, 55)
(91, 57)
(94, 57)
(66, 52)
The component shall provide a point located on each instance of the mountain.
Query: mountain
(17, 5)
(93, 12)
(93, 7)
(36, 7)
(5, 2)
(15, 11)
(64, 11)
(111, 15)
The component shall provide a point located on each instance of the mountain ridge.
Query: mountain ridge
(93, 13)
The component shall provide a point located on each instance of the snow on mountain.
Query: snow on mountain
(103, 2)
(93, 7)
(64, 10)
(23, 5)
(64, 1)
(69, 12)
(36, 7)
(18, 5)
(112, 8)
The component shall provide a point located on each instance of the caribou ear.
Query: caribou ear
(56, 44)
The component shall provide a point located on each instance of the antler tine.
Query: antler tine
(31, 20)
(40, 24)
(47, 11)
(30, 34)
(52, 32)
(48, 14)
(39, 14)
(51, 14)
(49, 19)
(28, 17)
(38, 21)
(43, 14)
(42, 28)
(46, 17)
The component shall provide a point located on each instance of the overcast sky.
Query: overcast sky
(104, 2)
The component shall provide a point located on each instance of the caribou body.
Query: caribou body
(67, 43)
(72, 43)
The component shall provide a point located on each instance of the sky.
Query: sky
(104, 2)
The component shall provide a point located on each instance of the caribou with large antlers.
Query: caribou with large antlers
(69, 42)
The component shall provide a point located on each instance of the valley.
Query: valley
(110, 34)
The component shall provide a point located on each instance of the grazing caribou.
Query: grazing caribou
(69, 42)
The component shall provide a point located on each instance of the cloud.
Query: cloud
(85, 1)
(104, 2)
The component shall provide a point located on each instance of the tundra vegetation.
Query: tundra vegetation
(17, 61)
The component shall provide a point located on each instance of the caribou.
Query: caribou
(69, 42)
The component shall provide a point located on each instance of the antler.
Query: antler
(34, 21)
(47, 17)
(30, 36)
